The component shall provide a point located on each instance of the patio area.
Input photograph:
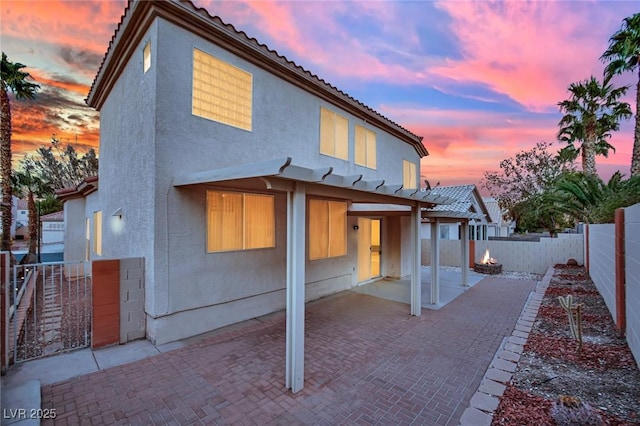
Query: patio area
(367, 361)
(400, 290)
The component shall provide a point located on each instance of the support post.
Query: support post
(4, 312)
(586, 247)
(435, 262)
(416, 276)
(621, 311)
(296, 219)
(464, 253)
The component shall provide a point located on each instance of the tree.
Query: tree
(591, 113)
(14, 80)
(63, 166)
(623, 54)
(523, 176)
(30, 185)
(587, 198)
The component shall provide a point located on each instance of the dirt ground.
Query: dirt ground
(556, 383)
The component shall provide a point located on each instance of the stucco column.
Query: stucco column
(416, 276)
(296, 221)
(435, 262)
(464, 253)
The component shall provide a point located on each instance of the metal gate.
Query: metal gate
(49, 309)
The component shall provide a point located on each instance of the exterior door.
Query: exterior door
(368, 248)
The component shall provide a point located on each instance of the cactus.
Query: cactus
(575, 322)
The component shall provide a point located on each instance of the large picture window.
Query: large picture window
(409, 177)
(327, 229)
(221, 92)
(334, 134)
(240, 221)
(365, 147)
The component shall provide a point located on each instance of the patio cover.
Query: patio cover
(297, 181)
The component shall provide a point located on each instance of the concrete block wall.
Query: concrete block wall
(106, 303)
(132, 315)
(118, 301)
(519, 256)
(632, 276)
(450, 254)
(602, 262)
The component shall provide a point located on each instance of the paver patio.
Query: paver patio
(367, 362)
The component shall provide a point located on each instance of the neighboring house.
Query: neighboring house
(468, 204)
(498, 227)
(21, 219)
(247, 183)
(52, 227)
(80, 221)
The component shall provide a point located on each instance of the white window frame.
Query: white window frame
(334, 139)
(328, 229)
(409, 175)
(365, 141)
(244, 247)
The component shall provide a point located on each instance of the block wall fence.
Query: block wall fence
(520, 256)
(118, 301)
(613, 262)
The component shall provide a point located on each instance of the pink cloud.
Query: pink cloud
(464, 144)
(529, 51)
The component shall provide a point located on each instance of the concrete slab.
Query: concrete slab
(19, 406)
(53, 369)
(400, 290)
(123, 354)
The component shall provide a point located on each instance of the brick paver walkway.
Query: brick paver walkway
(367, 361)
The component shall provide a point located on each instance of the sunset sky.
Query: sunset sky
(478, 80)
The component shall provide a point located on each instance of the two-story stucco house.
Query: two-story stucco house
(247, 183)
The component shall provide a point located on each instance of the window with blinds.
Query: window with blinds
(221, 92)
(334, 134)
(365, 147)
(240, 221)
(327, 229)
(409, 177)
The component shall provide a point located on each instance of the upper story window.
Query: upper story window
(409, 177)
(327, 229)
(365, 147)
(334, 134)
(146, 57)
(240, 221)
(221, 92)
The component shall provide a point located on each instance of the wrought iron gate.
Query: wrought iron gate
(49, 309)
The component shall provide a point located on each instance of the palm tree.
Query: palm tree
(15, 80)
(591, 113)
(623, 54)
(30, 185)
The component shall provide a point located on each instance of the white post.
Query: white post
(416, 275)
(435, 262)
(296, 219)
(464, 256)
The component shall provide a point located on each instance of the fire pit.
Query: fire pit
(487, 265)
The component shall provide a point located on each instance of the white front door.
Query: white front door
(368, 248)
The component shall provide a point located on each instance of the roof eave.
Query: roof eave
(140, 14)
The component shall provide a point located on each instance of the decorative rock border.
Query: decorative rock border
(485, 401)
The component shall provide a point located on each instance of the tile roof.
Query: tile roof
(494, 209)
(53, 217)
(460, 193)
